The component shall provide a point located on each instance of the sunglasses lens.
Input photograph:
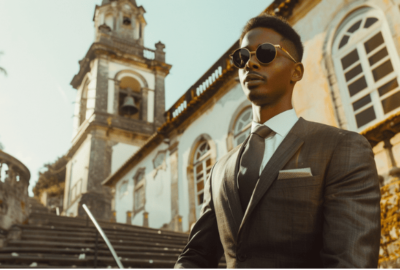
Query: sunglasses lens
(240, 57)
(266, 53)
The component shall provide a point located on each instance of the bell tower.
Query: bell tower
(120, 103)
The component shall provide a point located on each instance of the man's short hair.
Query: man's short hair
(279, 25)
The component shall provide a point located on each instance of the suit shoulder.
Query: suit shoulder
(314, 128)
(330, 135)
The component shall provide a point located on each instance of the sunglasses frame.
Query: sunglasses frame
(254, 52)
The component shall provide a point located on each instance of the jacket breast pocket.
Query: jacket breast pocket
(298, 182)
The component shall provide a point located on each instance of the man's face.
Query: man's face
(273, 84)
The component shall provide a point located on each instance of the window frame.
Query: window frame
(122, 194)
(202, 160)
(246, 128)
(357, 41)
(139, 186)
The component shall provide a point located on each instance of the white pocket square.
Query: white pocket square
(294, 173)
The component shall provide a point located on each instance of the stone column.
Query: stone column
(177, 223)
(160, 54)
(98, 198)
(143, 104)
(113, 216)
(394, 170)
(129, 217)
(159, 100)
(145, 219)
(102, 85)
(116, 97)
(173, 159)
(113, 212)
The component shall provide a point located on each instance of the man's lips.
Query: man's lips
(252, 77)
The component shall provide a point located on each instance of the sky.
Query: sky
(42, 41)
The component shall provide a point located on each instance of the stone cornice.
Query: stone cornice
(385, 129)
(111, 124)
(118, 49)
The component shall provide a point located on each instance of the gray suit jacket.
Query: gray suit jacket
(330, 219)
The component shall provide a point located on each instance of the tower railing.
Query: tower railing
(127, 46)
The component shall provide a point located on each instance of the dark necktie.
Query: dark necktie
(250, 163)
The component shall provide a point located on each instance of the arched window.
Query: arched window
(367, 68)
(109, 20)
(242, 126)
(202, 167)
(131, 86)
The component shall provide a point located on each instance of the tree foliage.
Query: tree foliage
(53, 179)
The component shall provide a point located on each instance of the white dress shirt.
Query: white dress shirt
(280, 124)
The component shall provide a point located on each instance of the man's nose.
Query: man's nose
(253, 62)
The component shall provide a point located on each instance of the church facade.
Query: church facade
(149, 168)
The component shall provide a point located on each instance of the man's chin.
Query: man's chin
(257, 98)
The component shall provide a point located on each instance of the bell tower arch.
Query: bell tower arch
(120, 103)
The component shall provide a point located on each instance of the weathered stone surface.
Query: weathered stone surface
(124, 123)
(174, 192)
(99, 169)
(102, 85)
(98, 204)
(159, 106)
(13, 192)
(389, 253)
(15, 233)
(144, 105)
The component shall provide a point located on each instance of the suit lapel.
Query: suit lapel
(282, 155)
(230, 185)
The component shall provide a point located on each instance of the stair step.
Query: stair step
(87, 240)
(88, 251)
(56, 260)
(51, 241)
(101, 246)
(163, 234)
(52, 219)
(40, 265)
(112, 236)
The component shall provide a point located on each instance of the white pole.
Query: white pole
(110, 247)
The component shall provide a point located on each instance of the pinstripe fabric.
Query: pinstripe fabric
(330, 219)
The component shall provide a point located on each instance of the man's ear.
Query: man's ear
(297, 72)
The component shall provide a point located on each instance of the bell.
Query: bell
(129, 107)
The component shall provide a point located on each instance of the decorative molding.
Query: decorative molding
(118, 49)
(383, 130)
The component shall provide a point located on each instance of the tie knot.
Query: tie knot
(262, 131)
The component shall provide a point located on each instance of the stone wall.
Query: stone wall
(14, 182)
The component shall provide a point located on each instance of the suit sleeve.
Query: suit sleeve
(351, 227)
(204, 248)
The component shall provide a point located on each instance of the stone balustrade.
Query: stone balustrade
(14, 183)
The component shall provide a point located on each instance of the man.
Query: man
(295, 193)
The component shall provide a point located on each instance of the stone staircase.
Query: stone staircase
(51, 241)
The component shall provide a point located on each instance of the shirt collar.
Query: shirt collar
(281, 124)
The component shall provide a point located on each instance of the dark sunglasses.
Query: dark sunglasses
(265, 54)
